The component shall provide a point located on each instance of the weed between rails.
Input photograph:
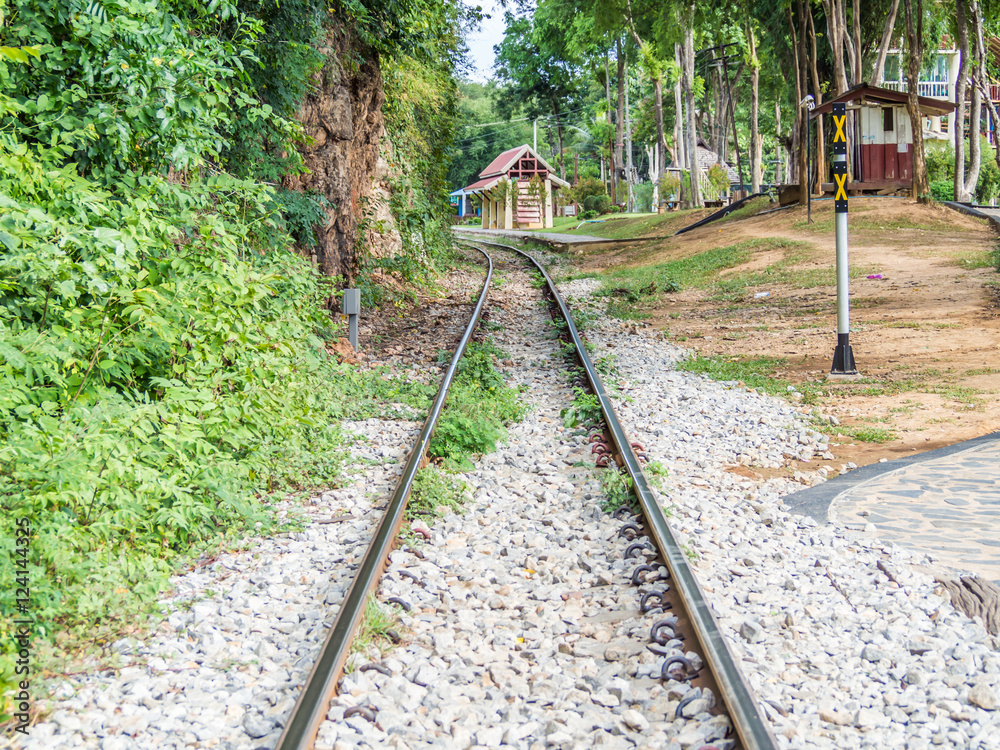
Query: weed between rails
(480, 406)
(435, 493)
(377, 627)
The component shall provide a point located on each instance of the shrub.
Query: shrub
(718, 180)
(589, 203)
(670, 185)
(584, 188)
(480, 405)
(943, 190)
(940, 158)
(588, 215)
(602, 204)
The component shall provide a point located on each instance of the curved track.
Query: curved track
(691, 613)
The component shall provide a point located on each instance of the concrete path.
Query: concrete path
(945, 503)
(562, 239)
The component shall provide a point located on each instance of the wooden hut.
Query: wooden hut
(509, 200)
(881, 144)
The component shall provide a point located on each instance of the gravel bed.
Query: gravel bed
(524, 629)
(848, 644)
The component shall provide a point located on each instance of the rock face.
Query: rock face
(345, 132)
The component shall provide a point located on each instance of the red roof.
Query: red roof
(484, 184)
(926, 105)
(502, 163)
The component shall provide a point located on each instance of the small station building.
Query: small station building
(517, 191)
(881, 144)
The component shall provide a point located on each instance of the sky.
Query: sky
(481, 43)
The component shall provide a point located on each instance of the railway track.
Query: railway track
(660, 625)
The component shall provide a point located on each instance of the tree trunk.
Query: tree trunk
(629, 166)
(688, 83)
(679, 142)
(803, 115)
(612, 188)
(914, 58)
(976, 105)
(716, 115)
(620, 112)
(984, 91)
(820, 152)
(779, 149)
(661, 144)
(793, 171)
(835, 34)
(878, 75)
(849, 56)
(857, 41)
(961, 87)
(755, 145)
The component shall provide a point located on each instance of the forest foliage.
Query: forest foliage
(163, 363)
(604, 78)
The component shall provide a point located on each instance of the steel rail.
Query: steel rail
(754, 732)
(313, 704)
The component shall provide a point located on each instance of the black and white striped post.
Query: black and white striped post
(843, 356)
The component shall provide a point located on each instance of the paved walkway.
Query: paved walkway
(565, 239)
(945, 503)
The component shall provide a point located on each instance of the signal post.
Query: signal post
(843, 356)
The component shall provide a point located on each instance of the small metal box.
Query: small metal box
(352, 302)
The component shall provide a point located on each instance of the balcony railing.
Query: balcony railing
(933, 89)
(939, 90)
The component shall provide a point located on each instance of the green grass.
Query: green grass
(750, 208)
(868, 434)
(617, 488)
(625, 226)
(630, 289)
(862, 222)
(480, 406)
(376, 623)
(753, 372)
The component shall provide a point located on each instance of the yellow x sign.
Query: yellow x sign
(841, 186)
(840, 135)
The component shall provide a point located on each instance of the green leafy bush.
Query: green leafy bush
(602, 204)
(943, 190)
(718, 181)
(584, 188)
(480, 405)
(434, 489)
(157, 373)
(588, 215)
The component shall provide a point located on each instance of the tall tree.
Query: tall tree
(755, 142)
(687, 83)
(914, 12)
(878, 74)
(535, 73)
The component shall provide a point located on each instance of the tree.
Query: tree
(687, 84)
(914, 11)
(535, 73)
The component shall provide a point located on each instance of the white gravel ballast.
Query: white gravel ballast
(846, 645)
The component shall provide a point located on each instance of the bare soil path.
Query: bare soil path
(925, 328)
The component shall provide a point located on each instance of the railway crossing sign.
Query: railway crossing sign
(843, 356)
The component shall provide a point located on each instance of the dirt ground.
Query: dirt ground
(925, 335)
